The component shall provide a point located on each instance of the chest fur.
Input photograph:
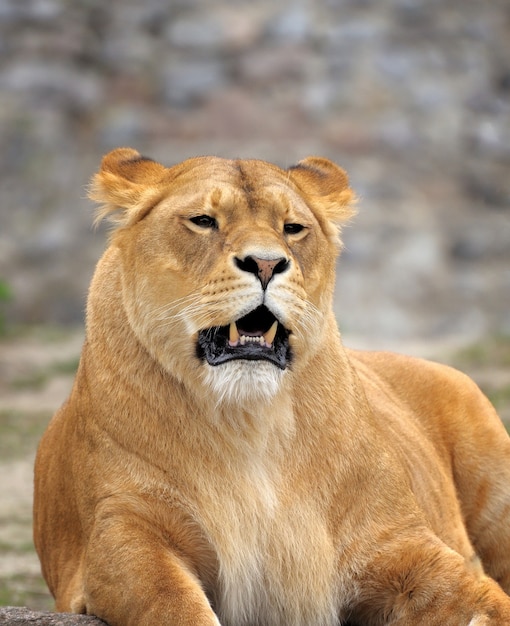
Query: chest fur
(276, 558)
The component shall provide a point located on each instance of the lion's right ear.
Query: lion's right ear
(127, 186)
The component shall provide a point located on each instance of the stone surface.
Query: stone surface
(19, 616)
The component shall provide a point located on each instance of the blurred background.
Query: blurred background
(412, 97)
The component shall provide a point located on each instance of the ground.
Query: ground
(36, 372)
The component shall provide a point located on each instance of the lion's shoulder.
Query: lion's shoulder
(438, 395)
(404, 371)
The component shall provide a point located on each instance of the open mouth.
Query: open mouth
(258, 336)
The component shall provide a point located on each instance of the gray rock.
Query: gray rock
(189, 82)
(19, 616)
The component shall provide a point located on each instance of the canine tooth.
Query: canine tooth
(233, 334)
(271, 334)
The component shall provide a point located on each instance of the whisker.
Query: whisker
(169, 306)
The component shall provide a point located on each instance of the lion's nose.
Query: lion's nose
(265, 269)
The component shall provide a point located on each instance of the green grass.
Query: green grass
(25, 590)
(24, 547)
(479, 360)
(25, 585)
(39, 377)
(492, 352)
(20, 432)
(500, 398)
(45, 333)
(5, 296)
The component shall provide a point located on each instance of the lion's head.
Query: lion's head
(227, 266)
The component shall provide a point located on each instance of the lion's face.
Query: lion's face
(227, 266)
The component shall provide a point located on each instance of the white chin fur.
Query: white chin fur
(240, 382)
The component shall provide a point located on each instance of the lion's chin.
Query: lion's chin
(242, 382)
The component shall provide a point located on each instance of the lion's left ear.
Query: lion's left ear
(326, 187)
(127, 186)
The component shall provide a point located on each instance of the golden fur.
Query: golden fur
(295, 483)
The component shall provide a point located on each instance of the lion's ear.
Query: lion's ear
(126, 186)
(326, 187)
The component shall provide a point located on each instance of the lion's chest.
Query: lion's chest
(277, 560)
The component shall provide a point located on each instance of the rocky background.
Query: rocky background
(15, 616)
(411, 96)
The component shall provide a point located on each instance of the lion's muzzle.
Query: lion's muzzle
(258, 336)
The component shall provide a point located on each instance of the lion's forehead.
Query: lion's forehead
(234, 170)
(275, 196)
(271, 196)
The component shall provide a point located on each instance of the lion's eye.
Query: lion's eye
(293, 229)
(204, 221)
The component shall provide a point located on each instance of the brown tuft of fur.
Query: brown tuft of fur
(127, 186)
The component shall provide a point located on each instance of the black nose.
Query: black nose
(265, 269)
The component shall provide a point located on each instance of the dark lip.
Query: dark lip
(213, 343)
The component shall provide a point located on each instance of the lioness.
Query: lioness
(223, 459)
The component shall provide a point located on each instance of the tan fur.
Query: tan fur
(356, 487)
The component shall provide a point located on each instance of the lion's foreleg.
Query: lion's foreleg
(482, 476)
(133, 578)
(425, 583)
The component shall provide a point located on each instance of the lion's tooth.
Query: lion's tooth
(271, 334)
(233, 335)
